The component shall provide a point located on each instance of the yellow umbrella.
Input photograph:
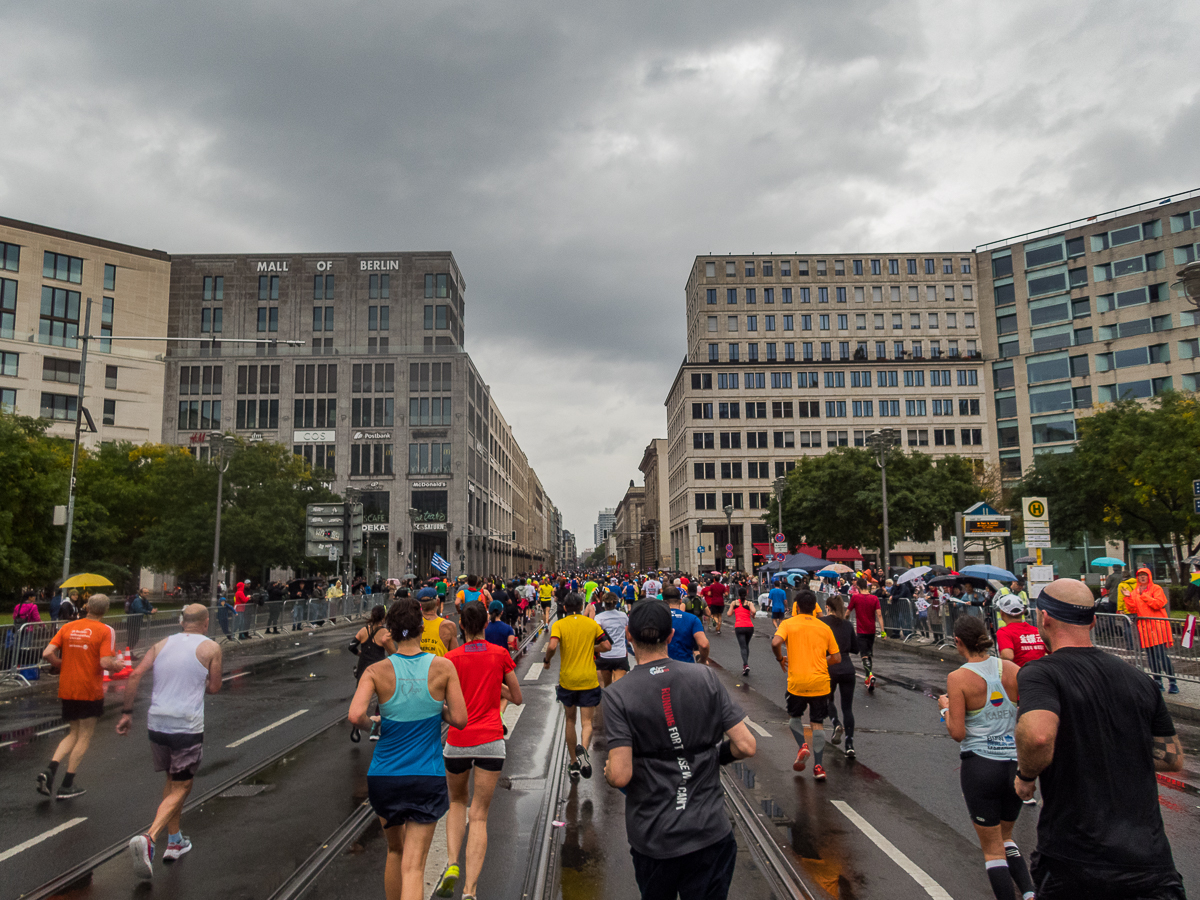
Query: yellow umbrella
(86, 579)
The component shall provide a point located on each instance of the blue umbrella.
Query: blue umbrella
(1107, 561)
(988, 572)
(828, 573)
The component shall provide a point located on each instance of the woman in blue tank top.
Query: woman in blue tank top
(406, 782)
(980, 710)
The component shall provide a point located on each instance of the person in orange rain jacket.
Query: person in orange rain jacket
(1148, 602)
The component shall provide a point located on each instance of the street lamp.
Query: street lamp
(882, 442)
(779, 484)
(728, 527)
(221, 447)
(699, 537)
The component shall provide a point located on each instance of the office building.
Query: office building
(1083, 314)
(790, 355)
(628, 528)
(604, 525)
(381, 397)
(47, 278)
(658, 504)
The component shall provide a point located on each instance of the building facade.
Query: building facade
(380, 397)
(628, 530)
(1083, 314)
(658, 505)
(792, 355)
(47, 278)
(604, 525)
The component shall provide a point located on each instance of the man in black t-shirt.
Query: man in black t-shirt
(665, 721)
(1094, 730)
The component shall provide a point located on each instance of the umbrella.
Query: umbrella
(828, 573)
(86, 579)
(986, 572)
(1028, 559)
(940, 570)
(913, 574)
(1107, 561)
(840, 568)
(953, 579)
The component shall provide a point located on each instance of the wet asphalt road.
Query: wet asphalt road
(903, 787)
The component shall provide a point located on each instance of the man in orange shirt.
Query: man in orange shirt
(83, 649)
(811, 649)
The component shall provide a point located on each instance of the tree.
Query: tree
(836, 500)
(33, 478)
(1129, 476)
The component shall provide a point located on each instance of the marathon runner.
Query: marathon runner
(1017, 640)
(742, 611)
(578, 684)
(373, 643)
(689, 638)
(980, 710)
(778, 603)
(439, 635)
(612, 664)
(867, 615)
(186, 667)
(714, 595)
(841, 674)
(811, 649)
(545, 598)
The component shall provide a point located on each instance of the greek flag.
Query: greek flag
(440, 564)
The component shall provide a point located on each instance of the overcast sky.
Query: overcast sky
(576, 157)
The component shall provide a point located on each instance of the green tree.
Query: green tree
(835, 500)
(33, 478)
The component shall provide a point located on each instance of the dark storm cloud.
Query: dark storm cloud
(576, 157)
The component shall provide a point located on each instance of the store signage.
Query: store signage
(198, 437)
(255, 437)
(379, 265)
(986, 526)
(372, 436)
(420, 485)
(429, 526)
(375, 527)
(312, 437)
(280, 266)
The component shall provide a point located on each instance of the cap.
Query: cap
(1010, 604)
(650, 622)
(495, 607)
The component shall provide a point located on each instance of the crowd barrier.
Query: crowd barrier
(22, 645)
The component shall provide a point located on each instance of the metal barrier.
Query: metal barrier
(22, 645)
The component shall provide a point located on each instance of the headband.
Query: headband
(1067, 613)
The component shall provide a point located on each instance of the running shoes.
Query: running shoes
(802, 756)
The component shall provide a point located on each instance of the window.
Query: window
(59, 406)
(822, 295)
(61, 267)
(835, 409)
(437, 286)
(59, 323)
(843, 322)
(702, 440)
(781, 409)
(706, 501)
(912, 267)
(702, 471)
(371, 459)
(784, 439)
(319, 456)
(268, 287)
(787, 295)
(730, 410)
(10, 257)
(731, 295)
(702, 410)
(214, 287)
(8, 400)
(751, 295)
(972, 437)
(712, 324)
(943, 437)
(727, 381)
(731, 470)
(861, 408)
(110, 377)
(781, 380)
(839, 267)
(268, 318)
(769, 323)
(710, 269)
(8, 307)
(943, 407)
(199, 415)
(425, 459)
(893, 267)
(441, 320)
(968, 407)
(755, 380)
(710, 296)
(914, 321)
(968, 377)
(1006, 404)
(841, 295)
(914, 378)
(210, 320)
(733, 353)
(889, 408)
(752, 352)
(714, 352)
(379, 287)
(914, 407)
(756, 440)
(426, 410)
(837, 438)
(63, 370)
(731, 440)
(9, 363)
(751, 323)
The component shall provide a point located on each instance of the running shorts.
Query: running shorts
(1057, 879)
(545, 603)
(716, 608)
(604, 664)
(818, 707)
(987, 786)
(74, 710)
(397, 799)
(178, 755)
(589, 697)
(457, 765)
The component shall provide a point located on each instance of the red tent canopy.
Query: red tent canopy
(834, 554)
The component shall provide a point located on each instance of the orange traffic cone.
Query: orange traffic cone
(128, 670)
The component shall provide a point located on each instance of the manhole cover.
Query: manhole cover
(244, 790)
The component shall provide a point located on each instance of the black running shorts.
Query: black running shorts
(818, 707)
(987, 786)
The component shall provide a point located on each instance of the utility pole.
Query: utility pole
(882, 442)
(87, 327)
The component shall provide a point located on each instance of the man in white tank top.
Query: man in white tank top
(186, 667)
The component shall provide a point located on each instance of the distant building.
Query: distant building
(628, 529)
(658, 507)
(603, 526)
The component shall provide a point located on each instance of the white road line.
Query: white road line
(305, 655)
(510, 717)
(534, 671)
(7, 744)
(52, 730)
(263, 731)
(235, 675)
(919, 875)
(34, 841)
(757, 727)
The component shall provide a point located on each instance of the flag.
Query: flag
(1189, 632)
(439, 563)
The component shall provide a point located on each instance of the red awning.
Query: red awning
(764, 549)
(834, 554)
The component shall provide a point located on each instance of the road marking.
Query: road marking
(510, 717)
(7, 744)
(919, 875)
(34, 841)
(263, 731)
(305, 655)
(51, 730)
(235, 675)
(757, 727)
(534, 671)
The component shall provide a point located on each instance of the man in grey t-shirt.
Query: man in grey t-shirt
(665, 722)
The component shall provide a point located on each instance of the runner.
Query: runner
(612, 664)
(689, 637)
(778, 604)
(186, 667)
(83, 650)
(589, 588)
(1017, 640)
(488, 677)
(578, 684)
(742, 611)
(373, 643)
(469, 593)
(841, 674)
(629, 592)
(406, 782)
(867, 615)
(714, 595)
(653, 588)
(439, 636)
(497, 631)
(545, 598)
(811, 649)
(981, 714)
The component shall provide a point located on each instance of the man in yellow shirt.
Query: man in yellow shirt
(439, 636)
(578, 684)
(811, 649)
(545, 598)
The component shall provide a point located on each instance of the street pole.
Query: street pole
(881, 442)
(87, 327)
(728, 530)
(883, 482)
(218, 443)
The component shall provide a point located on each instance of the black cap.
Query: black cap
(650, 622)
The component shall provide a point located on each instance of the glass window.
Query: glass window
(61, 267)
